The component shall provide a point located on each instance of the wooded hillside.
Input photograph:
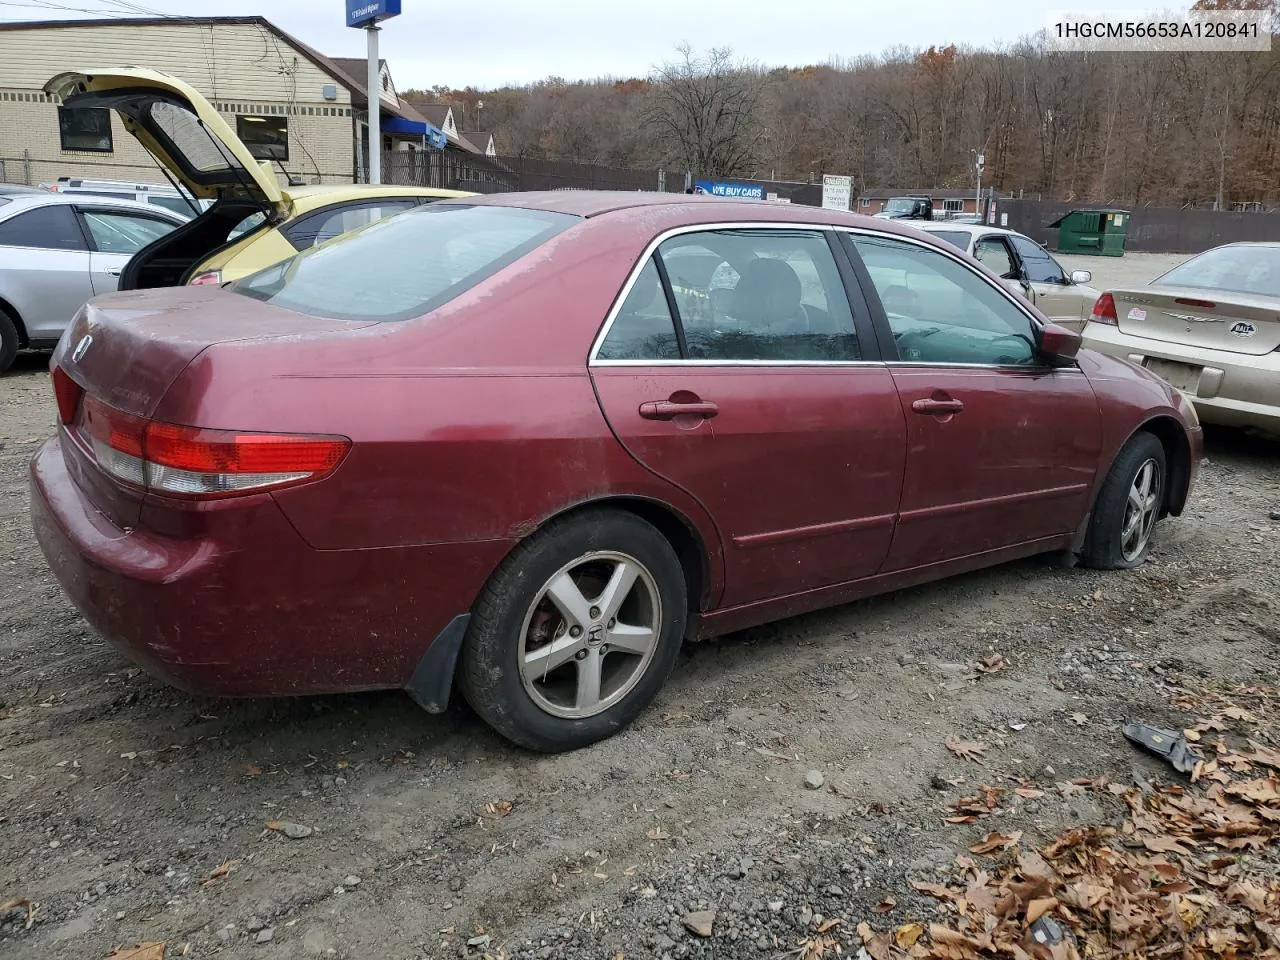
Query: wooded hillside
(1128, 128)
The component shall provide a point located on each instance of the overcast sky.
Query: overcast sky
(488, 43)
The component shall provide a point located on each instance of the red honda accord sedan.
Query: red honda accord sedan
(530, 443)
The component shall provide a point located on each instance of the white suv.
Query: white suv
(158, 194)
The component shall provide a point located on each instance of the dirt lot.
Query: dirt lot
(121, 798)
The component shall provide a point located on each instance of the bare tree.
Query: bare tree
(708, 109)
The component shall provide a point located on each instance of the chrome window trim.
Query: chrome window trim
(593, 359)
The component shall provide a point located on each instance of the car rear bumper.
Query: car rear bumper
(252, 610)
(1232, 389)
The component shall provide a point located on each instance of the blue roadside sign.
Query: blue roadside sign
(362, 13)
(741, 191)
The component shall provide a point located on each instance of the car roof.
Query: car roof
(29, 201)
(314, 196)
(935, 225)
(680, 208)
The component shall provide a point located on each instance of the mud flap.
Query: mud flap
(432, 679)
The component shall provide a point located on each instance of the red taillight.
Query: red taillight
(68, 393)
(197, 462)
(1104, 310)
(210, 278)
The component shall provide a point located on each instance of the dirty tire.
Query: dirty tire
(1104, 546)
(8, 341)
(490, 676)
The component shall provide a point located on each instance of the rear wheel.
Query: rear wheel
(576, 632)
(8, 341)
(1128, 506)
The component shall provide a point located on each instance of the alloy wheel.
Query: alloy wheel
(590, 634)
(1141, 510)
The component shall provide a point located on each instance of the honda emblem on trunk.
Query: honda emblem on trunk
(82, 348)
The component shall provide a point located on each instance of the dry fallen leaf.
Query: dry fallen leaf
(1027, 793)
(657, 833)
(885, 905)
(992, 664)
(497, 810)
(996, 841)
(967, 749)
(219, 871)
(1079, 719)
(907, 935)
(1038, 908)
(143, 951)
(1253, 897)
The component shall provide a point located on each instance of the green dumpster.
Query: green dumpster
(1099, 231)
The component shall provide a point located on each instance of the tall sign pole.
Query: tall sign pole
(366, 15)
(375, 105)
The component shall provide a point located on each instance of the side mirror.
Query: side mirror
(1081, 276)
(1059, 345)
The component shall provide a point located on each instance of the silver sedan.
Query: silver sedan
(1210, 327)
(58, 251)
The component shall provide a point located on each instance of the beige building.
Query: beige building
(284, 99)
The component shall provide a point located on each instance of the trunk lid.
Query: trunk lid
(177, 126)
(1197, 317)
(127, 349)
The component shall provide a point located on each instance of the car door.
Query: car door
(44, 268)
(115, 235)
(992, 250)
(1053, 292)
(1001, 448)
(333, 221)
(748, 383)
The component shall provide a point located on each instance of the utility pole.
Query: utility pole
(979, 163)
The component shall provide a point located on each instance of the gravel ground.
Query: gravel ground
(788, 777)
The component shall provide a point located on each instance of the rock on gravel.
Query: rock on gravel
(814, 780)
(700, 922)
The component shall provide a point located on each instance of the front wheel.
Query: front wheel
(575, 632)
(1128, 506)
(8, 341)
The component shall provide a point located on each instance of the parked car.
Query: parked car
(18, 189)
(254, 222)
(1065, 298)
(160, 195)
(57, 251)
(502, 442)
(1210, 327)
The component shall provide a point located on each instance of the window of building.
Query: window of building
(266, 137)
(87, 129)
(953, 206)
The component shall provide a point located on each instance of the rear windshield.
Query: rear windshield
(406, 265)
(956, 238)
(1254, 270)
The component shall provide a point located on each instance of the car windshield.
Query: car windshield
(900, 205)
(1254, 270)
(406, 265)
(957, 238)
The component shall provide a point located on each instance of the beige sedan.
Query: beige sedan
(1210, 327)
(1025, 266)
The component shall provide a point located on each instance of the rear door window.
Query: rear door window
(1040, 267)
(404, 266)
(47, 228)
(114, 232)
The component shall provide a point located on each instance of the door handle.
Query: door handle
(929, 405)
(670, 409)
(114, 271)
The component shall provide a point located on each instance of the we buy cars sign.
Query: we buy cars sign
(363, 13)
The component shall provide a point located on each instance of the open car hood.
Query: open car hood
(179, 127)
